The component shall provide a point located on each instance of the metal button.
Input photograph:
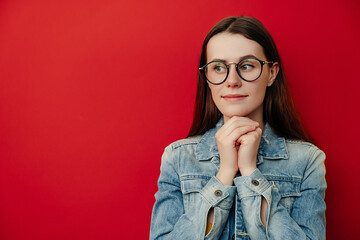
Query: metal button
(218, 193)
(255, 182)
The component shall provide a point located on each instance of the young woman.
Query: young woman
(247, 169)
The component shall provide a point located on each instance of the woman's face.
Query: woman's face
(236, 97)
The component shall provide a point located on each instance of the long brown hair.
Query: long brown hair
(278, 111)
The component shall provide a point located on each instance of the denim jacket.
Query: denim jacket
(290, 175)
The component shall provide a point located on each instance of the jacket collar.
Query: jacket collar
(271, 146)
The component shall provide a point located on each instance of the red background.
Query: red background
(92, 91)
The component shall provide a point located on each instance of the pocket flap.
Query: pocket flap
(193, 183)
(286, 186)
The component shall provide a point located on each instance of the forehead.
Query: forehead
(231, 47)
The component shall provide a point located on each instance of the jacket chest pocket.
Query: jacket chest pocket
(288, 187)
(191, 186)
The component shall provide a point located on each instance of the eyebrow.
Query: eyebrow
(241, 58)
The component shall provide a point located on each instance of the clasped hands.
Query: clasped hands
(238, 142)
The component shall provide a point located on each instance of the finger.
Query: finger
(250, 136)
(239, 120)
(243, 130)
(235, 134)
(236, 122)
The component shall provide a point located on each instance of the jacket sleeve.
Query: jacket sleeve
(307, 218)
(170, 220)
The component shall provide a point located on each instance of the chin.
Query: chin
(239, 114)
(254, 114)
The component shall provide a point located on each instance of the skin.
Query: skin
(239, 138)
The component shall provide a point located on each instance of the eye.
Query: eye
(246, 66)
(249, 65)
(218, 67)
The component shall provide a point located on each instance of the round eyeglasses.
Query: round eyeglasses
(248, 69)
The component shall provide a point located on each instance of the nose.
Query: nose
(233, 79)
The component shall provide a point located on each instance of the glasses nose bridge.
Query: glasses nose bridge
(232, 63)
(236, 66)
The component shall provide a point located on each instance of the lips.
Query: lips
(234, 96)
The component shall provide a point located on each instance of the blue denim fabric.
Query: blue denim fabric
(290, 175)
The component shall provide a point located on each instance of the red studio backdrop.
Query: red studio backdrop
(92, 91)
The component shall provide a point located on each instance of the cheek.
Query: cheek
(266, 77)
(261, 85)
(215, 95)
(258, 93)
(261, 89)
(214, 90)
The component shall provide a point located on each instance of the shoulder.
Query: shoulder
(297, 160)
(302, 148)
(182, 155)
(275, 146)
(181, 149)
(183, 143)
(300, 144)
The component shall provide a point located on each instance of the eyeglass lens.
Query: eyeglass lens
(249, 69)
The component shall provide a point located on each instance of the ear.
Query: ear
(274, 70)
